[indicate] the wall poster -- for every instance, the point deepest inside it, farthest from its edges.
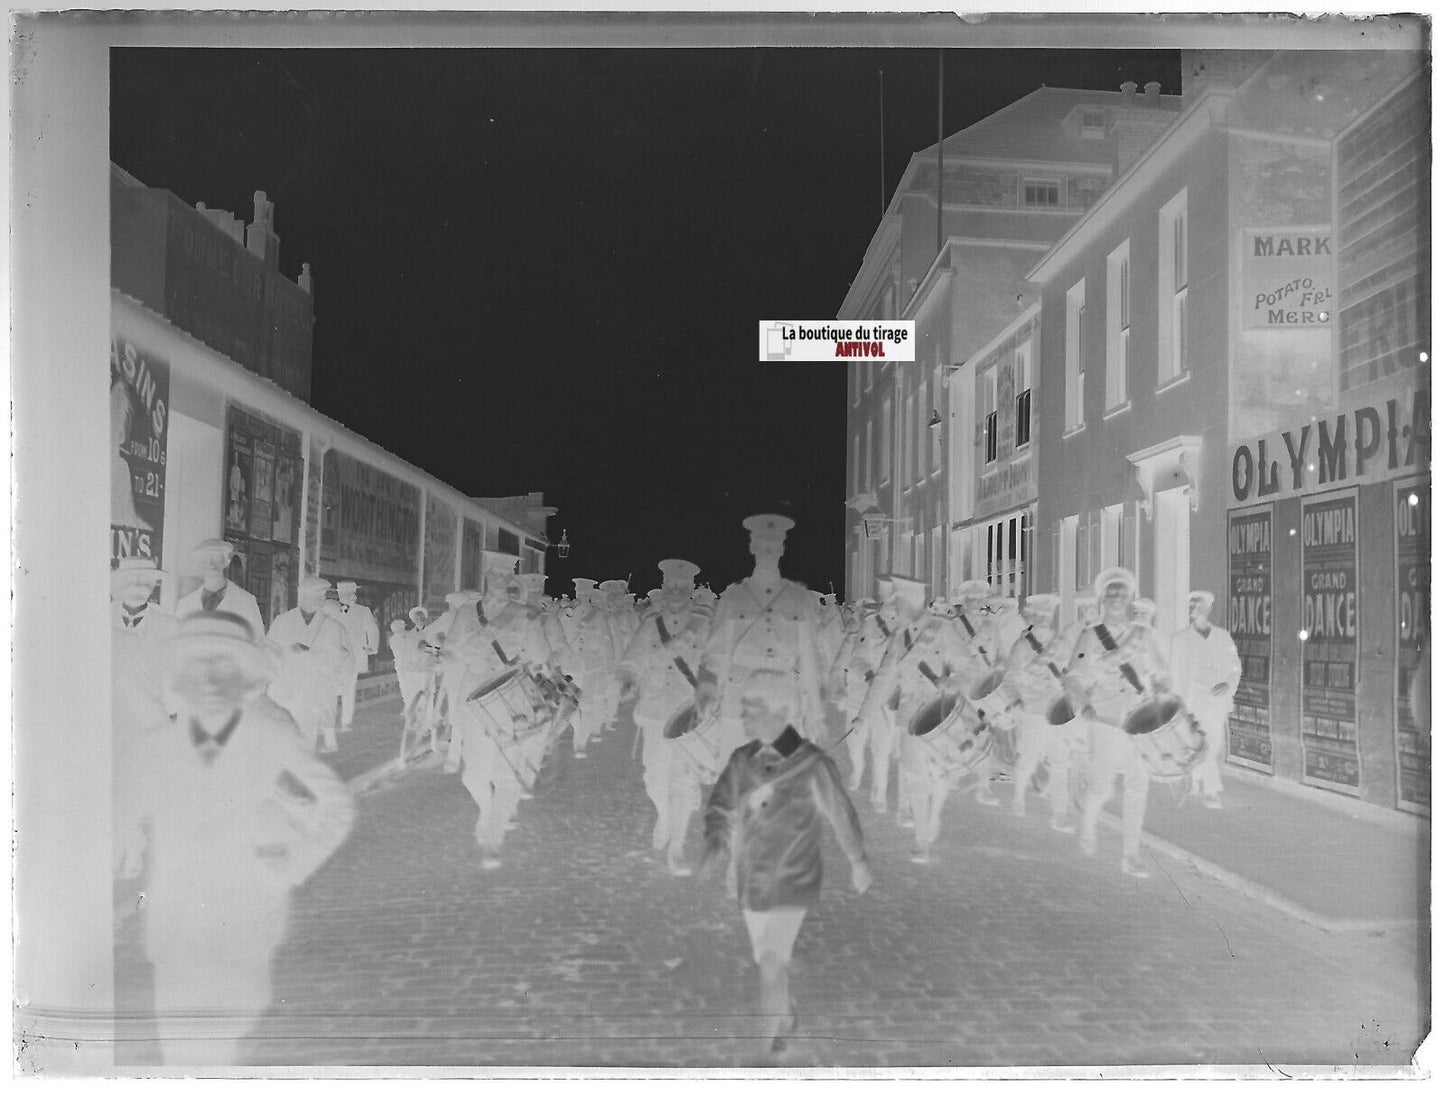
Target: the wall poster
(1251, 559)
(139, 421)
(1412, 655)
(1330, 577)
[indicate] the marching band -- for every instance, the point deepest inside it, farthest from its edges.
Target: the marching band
(945, 691)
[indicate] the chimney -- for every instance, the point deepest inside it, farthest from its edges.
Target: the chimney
(1151, 93)
(261, 238)
(305, 279)
(1127, 89)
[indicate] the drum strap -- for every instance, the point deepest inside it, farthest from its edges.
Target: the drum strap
(882, 626)
(1125, 669)
(682, 666)
(1039, 650)
(972, 634)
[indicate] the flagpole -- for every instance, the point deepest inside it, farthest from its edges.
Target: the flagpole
(940, 151)
(882, 172)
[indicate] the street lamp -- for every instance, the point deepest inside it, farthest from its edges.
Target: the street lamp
(563, 547)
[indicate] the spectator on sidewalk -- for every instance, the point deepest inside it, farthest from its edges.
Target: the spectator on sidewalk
(210, 559)
(231, 812)
(1204, 665)
(312, 651)
(764, 821)
(362, 637)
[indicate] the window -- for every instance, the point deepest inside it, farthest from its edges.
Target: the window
(1111, 537)
(935, 435)
(1173, 287)
(1068, 558)
(1116, 357)
(922, 439)
(1024, 401)
(1074, 358)
(1006, 542)
(868, 457)
(1041, 192)
(990, 416)
(1091, 123)
(885, 448)
(1087, 547)
(910, 445)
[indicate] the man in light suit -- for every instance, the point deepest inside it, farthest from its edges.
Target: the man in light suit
(209, 559)
(362, 637)
(1204, 666)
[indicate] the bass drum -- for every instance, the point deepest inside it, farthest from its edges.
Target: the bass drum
(1167, 736)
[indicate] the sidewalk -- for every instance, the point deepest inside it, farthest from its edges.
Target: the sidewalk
(370, 749)
(1341, 866)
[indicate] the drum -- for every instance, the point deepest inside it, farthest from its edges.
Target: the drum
(506, 705)
(958, 743)
(695, 739)
(1168, 738)
(988, 696)
(1061, 711)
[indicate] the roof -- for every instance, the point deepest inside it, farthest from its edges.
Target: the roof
(1032, 128)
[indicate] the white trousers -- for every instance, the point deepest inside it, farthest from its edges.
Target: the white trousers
(1213, 715)
(1111, 755)
(1040, 742)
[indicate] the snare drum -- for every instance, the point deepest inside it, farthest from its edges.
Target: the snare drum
(1167, 736)
(956, 743)
(696, 740)
(506, 705)
(988, 696)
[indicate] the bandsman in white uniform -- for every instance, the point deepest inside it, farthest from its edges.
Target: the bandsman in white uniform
(1115, 665)
(764, 621)
(976, 623)
(1008, 624)
(412, 659)
(1204, 666)
(209, 559)
(659, 672)
(312, 649)
(499, 636)
(233, 814)
(1034, 677)
(362, 637)
(926, 656)
(595, 650)
(622, 618)
(830, 628)
(864, 641)
(1142, 613)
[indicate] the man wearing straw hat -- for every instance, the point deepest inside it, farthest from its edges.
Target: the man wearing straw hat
(209, 559)
(311, 645)
(230, 812)
(363, 639)
(1115, 665)
(1204, 664)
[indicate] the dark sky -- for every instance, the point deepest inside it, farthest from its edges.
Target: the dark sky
(543, 269)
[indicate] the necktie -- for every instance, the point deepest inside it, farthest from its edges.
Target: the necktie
(208, 744)
(133, 616)
(211, 601)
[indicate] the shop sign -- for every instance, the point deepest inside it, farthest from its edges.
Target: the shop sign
(1288, 277)
(1372, 443)
(471, 554)
(139, 426)
(1251, 557)
(370, 528)
(1412, 696)
(440, 555)
(1330, 637)
(873, 525)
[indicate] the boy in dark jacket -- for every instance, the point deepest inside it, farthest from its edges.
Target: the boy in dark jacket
(765, 814)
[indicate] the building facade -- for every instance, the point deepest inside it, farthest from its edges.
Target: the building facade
(1235, 397)
(210, 446)
(1008, 187)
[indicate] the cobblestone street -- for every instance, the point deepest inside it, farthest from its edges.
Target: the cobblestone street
(1010, 949)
